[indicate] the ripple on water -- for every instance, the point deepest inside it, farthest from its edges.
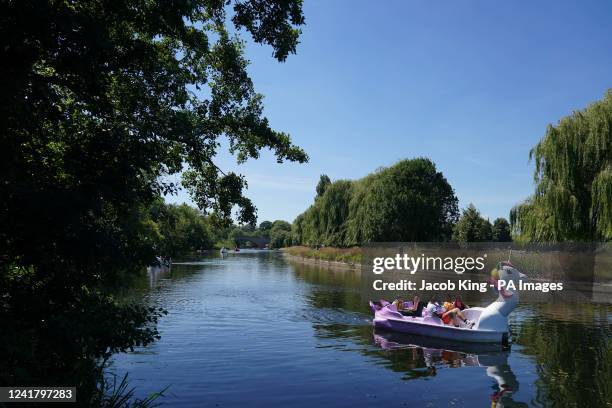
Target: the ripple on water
(251, 330)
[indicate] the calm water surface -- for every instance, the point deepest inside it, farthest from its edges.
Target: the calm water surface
(254, 329)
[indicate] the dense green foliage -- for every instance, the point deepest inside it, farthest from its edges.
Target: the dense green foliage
(101, 101)
(179, 230)
(324, 182)
(573, 175)
(500, 231)
(409, 201)
(472, 227)
(265, 226)
(280, 234)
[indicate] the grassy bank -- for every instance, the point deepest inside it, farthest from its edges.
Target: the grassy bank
(348, 255)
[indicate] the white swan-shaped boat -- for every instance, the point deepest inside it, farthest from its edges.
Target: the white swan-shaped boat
(491, 322)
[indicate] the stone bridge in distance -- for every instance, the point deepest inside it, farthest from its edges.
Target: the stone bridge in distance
(260, 242)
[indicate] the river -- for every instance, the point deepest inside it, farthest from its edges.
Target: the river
(254, 329)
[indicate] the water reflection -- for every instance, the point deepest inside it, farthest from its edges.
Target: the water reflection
(416, 352)
(568, 346)
(572, 351)
(253, 329)
(156, 273)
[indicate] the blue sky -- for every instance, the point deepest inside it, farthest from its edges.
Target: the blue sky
(471, 85)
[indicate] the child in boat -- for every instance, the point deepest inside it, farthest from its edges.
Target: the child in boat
(453, 315)
(448, 303)
(433, 307)
(416, 310)
(458, 303)
(399, 304)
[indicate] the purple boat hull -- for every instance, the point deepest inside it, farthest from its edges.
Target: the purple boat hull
(488, 324)
(388, 319)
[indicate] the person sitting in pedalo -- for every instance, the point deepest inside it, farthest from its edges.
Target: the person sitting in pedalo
(452, 314)
(414, 309)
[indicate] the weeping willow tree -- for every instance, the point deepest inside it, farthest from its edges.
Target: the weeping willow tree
(573, 176)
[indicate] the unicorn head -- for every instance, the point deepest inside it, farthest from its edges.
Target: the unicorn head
(495, 316)
(501, 276)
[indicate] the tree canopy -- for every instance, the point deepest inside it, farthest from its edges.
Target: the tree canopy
(472, 227)
(280, 234)
(324, 182)
(409, 201)
(102, 102)
(180, 229)
(573, 176)
(265, 225)
(501, 230)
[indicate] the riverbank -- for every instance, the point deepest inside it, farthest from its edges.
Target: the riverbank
(328, 256)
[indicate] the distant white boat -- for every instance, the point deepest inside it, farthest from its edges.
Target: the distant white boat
(160, 265)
